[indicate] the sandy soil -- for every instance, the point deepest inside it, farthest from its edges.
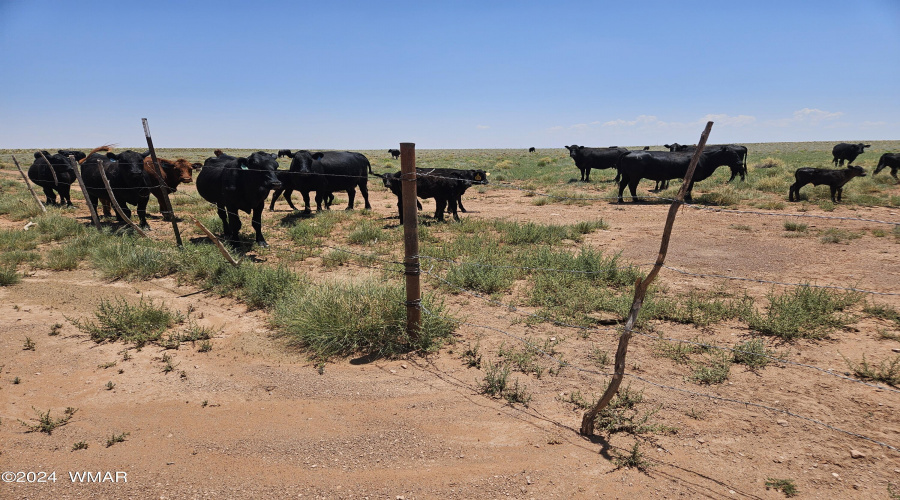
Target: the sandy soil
(254, 419)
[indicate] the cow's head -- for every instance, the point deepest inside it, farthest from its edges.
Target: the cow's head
(303, 161)
(856, 171)
(285, 152)
(264, 163)
(131, 165)
(71, 152)
(573, 149)
(861, 148)
(479, 176)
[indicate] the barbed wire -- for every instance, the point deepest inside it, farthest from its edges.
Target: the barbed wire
(764, 407)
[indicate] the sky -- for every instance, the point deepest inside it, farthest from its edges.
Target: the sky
(453, 74)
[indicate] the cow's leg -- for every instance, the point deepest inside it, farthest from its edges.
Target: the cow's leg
(440, 205)
(107, 207)
(632, 186)
(587, 175)
(64, 195)
(223, 214)
(93, 200)
(400, 208)
(287, 197)
(364, 191)
(687, 195)
(452, 208)
(622, 184)
(142, 212)
(582, 174)
(351, 195)
(838, 191)
(733, 175)
(318, 201)
(275, 196)
(894, 173)
(256, 222)
(125, 211)
(234, 223)
(51, 195)
(305, 195)
(618, 176)
(794, 194)
(461, 207)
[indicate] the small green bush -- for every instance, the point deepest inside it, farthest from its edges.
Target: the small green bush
(141, 323)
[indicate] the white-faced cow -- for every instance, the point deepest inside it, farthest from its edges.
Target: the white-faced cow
(327, 172)
(891, 160)
(665, 165)
(125, 173)
(848, 152)
(234, 184)
(835, 179)
(599, 158)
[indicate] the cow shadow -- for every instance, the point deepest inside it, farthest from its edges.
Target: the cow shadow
(291, 219)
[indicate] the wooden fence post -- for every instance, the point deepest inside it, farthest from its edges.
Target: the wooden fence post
(115, 204)
(410, 239)
(162, 185)
(87, 199)
(28, 184)
(52, 170)
(215, 240)
(640, 289)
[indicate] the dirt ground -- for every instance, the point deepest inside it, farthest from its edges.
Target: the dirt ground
(253, 418)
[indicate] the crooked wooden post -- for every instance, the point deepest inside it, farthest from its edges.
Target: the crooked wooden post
(410, 239)
(167, 209)
(27, 183)
(640, 289)
(87, 199)
(215, 240)
(115, 203)
(52, 170)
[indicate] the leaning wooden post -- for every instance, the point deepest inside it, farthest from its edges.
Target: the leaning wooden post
(115, 203)
(87, 199)
(25, 178)
(410, 239)
(52, 170)
(215, 240)
(162, 185)
(640, 289)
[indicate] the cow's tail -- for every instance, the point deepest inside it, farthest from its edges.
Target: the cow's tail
(105, 147)
(369, 164)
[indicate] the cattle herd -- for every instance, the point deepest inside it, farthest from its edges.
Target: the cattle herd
(243, 184)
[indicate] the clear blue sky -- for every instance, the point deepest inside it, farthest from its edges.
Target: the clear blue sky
(452, 74)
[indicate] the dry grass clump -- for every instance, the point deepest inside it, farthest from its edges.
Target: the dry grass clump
(770, 162)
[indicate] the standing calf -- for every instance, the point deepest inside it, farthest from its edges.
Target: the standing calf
(891, 160)
(835, 179)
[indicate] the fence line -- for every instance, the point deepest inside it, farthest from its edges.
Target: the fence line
(686, 391)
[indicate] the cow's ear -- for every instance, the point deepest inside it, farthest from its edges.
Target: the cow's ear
(112, 156)
(318, 156)
(37, 154)
(242, 162)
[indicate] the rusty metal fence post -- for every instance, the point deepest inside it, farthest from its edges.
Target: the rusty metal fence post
(410, 239)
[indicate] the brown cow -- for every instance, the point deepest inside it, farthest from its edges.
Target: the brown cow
(174, 173)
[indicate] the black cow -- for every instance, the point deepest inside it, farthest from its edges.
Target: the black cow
(665, 165)
(531, 149)
(849, 152)
(125, 172)
(891, 160)
(394, 153)
(835, 179)
(444, 185)
(599, 158)
(475, 176)
(327, 172)
(287, 188)
(235, 184)
(40, 173)
(736, 170)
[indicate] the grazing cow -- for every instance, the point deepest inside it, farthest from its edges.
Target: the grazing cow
(40, 173)
(395, 153)
(599, 158)
(740, 169)
(442, 184)
(174, 172)
(849, 152)
(125, 172)
(531, 149)
(665, 165)
(327, 172)
(235, 184)
(891, 160)
(835, 179)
